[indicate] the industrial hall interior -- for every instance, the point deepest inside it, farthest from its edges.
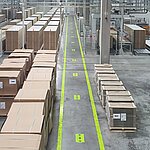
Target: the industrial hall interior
(74, 74)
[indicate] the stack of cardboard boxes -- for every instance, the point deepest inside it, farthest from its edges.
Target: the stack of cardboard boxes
(35, 37)
(115, 99)
(29, 119)
(14, 38)
(51, 37)
(13, 72)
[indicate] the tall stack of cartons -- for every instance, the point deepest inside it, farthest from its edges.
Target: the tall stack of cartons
(115, 99)
(136, 35)
(14, 38)
(51, 37)
(28, 24)
(33, 19)
(13, 72)
(35, 37)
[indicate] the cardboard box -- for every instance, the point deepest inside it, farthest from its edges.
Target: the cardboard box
(28, 24)
(54, 23)
(45, 58)
(35, 95)
(46, 19)
(136, 35)
(6, 11)
(21, 142)
(5, 104)
(38, 16)
(105, 77)
(120, 98)
(14, 38)
(27, 12)
(47, 52)
(51, 37)
(55, 18)
(2, 18)
(36, 84)
(40, 13)
(16, 61)
(9, 83)
(6, 27)
(23, 55)
(33, 19)
(21, 67)
(14, 22)
(19, 14)
(109, 88)
(118, 93)
(35, 37)
(41, 23)
(25, 123)
(31, 51)
(121, 116)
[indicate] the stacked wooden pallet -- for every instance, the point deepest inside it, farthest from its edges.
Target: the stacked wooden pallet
(115, 99)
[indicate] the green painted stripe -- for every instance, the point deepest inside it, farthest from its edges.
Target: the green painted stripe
(60, 126)
(97, 125)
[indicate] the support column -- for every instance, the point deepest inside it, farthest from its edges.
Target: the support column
(105, 32)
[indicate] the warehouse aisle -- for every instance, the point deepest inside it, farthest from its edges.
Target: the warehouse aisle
(78, 126)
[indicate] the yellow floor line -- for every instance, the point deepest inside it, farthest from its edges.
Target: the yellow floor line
(95, 117)
(60, 125)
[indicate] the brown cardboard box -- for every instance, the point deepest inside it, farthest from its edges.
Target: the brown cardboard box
(14, 22)
(44, 65)
(21, 67)
(19, 14)
(47, 52)
(120, 98)
(121, 116)
(55, 18)
(105, 77)
(47, 15)
(21, 142)
(41, 23)
(45, 58)
(6, 27)
(25, 123)
(16, 61)
(40, 74)
(51, 37)
(31, 51)
(5, 104)
(40, 13)
(23, 55)
(109, 88)
(35, 95)
(38, 16)
(54, 23)
(118, 93)
(36, 84)
(33, 19)
(136, 35)
(14, 38)
(9, 83)
(46, 19)
(35, 37)
(28, 24)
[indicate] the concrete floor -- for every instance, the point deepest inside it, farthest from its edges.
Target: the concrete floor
(134, 71)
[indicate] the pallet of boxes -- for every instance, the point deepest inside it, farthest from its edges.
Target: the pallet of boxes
(13, 72)
(29, 120)
(115, 99)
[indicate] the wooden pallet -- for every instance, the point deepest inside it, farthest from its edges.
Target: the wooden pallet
(122, 129)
